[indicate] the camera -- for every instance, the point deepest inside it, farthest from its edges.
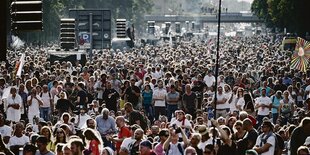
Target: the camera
(176, 128)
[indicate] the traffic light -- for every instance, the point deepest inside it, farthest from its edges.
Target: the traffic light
(121, 28)
(26, 15)
(67, 33)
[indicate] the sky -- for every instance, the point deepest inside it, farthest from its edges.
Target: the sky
(250, 1)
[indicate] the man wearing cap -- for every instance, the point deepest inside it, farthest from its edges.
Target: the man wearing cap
(42, 143)
(263, 105)
(146, 148)
(265, 143)
(205, 137)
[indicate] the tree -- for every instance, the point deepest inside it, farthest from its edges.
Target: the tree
(290, 14)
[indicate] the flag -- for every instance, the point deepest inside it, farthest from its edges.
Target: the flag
(301, 56)
(20, 65)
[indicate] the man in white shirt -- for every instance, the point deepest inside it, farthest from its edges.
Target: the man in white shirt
(222, 107)
(265, 143)
(263, 105)
(14, 103)
(34, 101)
(45, 109)
(159, 97)
(209, 79)
(125, 146)
(80, 120)
(19, 140)
(5, 130)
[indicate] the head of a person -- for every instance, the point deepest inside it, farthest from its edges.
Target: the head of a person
(267, 126)
(209, 150)
(180, 115)
(65, 117)
(247, 124)
(305, 123)
(155, 129)
(46, 131)
(128, 107)
(238, 125)
(58, 148)
(145, 147)
(303, 150)
(243, 115)
(60, 134)
(195, 139)
(105, 113)
(107, 151)
(138, 134)
(220, 89)
(42, 142)
(90, 134)
(19, 127)
(13, 91)
(66, 150)
(188, 88)
(251, 152)
(29, 149)
(163, 135)
(264, 92)
(133, 128)
(76, 146)
(91, 123)
(160, 84)
(120, 121)
(190, 151)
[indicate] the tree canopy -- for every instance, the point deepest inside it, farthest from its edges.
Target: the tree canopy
(290, 14)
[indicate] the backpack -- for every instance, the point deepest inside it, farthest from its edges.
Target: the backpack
(180, 148)
(277, 150)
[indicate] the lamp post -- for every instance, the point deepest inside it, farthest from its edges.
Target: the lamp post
(217, 62)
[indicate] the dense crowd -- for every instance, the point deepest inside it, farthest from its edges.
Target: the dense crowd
(158, 100)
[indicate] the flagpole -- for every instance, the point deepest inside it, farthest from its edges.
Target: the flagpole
(217, 64)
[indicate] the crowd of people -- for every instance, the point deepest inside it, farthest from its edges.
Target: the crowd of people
(158, 100)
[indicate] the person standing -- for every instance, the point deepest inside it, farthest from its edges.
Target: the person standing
(172, 99)
(106, 126)
(221, 104)
(110, 96)
(14, 103)
(159, 97)
(189, 101)
(147, 100)
(265, 143)
(263, 104)
(34, 102)
(47, 107)
(133, 94)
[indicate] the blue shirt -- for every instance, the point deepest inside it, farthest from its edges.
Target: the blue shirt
(275, 102)
(105, 126)
(147, 97)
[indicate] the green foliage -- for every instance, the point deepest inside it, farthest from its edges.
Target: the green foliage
(290, 14)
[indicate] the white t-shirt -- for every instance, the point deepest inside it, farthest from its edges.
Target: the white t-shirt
(222, 106)
(14, 114)
(6, 131)
(263, 101)
(126, 142)
(209, 80)
(228, 96)
(174, 150)
(271, 140)
(99, 92)
(34, 107)
(159, 94)
(233, 103)
(18, 140)
(241, 102)
(83, 118)
(202, 145)
(46, 98)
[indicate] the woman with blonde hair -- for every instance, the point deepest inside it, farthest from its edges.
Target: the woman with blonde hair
(46, 131)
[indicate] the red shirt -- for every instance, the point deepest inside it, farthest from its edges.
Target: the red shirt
(124, 132)
(93, 146)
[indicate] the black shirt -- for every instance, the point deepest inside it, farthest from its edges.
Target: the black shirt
(131, 97)
(64, 105)
(135, 116)
(250, 138)
(82, 94)
(189, 100)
